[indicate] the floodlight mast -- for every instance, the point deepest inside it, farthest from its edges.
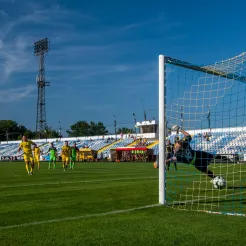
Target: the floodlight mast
(40, 48)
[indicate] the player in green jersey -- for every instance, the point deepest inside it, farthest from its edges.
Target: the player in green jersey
(53, 155)
(74, 150)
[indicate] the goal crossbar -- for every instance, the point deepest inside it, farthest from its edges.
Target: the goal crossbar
(210, 69)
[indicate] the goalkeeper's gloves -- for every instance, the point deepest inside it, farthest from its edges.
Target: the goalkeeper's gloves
(175, 128)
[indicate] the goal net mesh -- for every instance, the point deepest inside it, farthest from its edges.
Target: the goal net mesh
(209, 102)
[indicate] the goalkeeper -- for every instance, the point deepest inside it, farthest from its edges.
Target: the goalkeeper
(184, 153)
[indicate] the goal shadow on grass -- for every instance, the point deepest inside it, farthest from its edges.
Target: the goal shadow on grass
(236, 187)
(240, 201)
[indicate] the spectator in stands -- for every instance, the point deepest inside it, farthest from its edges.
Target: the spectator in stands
(239, 156)
(207, 135)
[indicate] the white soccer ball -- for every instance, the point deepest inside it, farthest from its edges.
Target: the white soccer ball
(219, 182)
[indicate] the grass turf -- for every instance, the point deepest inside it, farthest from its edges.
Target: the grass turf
(95, 188)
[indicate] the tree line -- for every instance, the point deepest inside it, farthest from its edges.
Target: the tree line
(11, 130)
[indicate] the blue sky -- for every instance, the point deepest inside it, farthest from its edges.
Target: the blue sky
(103, 59)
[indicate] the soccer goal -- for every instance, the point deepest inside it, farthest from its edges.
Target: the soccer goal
(202, 108)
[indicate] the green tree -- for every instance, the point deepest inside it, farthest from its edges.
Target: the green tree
(30, 134)
(125, 130)
(83, 128)
(49, 132)
(10, 130)
(97, 129)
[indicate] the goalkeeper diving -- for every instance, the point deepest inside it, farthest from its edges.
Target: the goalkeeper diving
(185, 154)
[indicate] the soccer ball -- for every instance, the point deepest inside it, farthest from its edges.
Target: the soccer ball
(219, 182)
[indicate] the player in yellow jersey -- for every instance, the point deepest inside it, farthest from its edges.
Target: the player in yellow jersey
(66, 153)
(26, 146)
(37, 153)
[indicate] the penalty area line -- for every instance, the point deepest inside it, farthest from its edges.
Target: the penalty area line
(79, 217)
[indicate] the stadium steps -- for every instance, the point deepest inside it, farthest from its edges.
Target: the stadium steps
(43, 145)
(133, 144)
(108, 146)
(153, 144)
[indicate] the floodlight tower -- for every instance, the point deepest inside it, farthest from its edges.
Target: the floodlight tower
(40, 48)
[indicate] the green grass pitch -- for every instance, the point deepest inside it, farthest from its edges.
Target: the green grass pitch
(54, 207)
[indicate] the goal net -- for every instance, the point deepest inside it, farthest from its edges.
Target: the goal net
(207, 103)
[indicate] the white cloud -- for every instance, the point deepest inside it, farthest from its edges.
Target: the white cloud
(13, 57)
(88, 70)
(140, 24)
(16, 94)
(14, 52)
(76, 59)
(37, 16)
(17, 36)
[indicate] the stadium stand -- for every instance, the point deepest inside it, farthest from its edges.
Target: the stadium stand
(121, 143)
(220, 143)
(151, 145)
(133, 144)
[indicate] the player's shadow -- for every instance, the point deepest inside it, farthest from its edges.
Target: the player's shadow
(236, 187)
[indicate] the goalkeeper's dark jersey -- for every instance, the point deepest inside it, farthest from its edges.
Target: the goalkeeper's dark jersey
(169, 148)
(185, 154)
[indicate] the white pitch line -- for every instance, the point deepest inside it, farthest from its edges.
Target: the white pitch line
(90, 181)
(78, 217)
(75, 182)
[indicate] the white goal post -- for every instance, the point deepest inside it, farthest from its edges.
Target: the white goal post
(162, 128)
